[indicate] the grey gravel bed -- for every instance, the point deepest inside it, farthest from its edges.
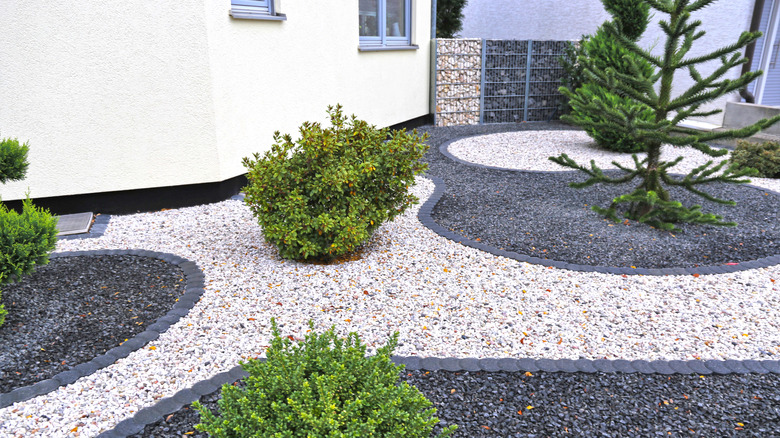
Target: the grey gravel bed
(507, 404)
(76, 308)
(537, 214)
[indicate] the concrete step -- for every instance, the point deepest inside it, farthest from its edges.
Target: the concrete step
(77, 223)
(760, 137)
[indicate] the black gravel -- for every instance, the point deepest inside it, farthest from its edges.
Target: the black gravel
(489, 404)
(537, 214)
(76, 308)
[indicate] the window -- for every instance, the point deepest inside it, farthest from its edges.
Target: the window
(255, 10)
(385, 24)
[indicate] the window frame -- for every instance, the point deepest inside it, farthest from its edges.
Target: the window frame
(255, 10)
(384, 41)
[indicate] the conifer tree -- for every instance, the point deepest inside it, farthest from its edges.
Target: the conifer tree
(26, 239)
(650, 201)
(603, 51)
(449, 17)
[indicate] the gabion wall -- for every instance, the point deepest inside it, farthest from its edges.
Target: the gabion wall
(495, 81)
(458, 75)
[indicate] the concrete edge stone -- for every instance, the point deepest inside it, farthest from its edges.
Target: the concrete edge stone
(128, 427)
(771, 365)
(566, 365)
(440, 188)
(717, 366)
(111, 356)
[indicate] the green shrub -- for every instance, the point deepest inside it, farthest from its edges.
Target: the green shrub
(3, 312)
(13, 160)
(605, 53)
(764, 157)
(323, 195)
(322, 387)
(26, 239)
(631, 16)
(449, 17)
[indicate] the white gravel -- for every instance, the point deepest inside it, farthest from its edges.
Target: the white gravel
(444, 299)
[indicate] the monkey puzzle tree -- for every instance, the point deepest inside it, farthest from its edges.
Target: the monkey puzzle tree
(650, 202)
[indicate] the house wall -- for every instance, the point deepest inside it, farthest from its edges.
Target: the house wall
(275, 75)
(140, 94)
(110, 95)
(723, 21)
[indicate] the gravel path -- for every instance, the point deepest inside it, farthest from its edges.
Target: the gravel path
(445, 299)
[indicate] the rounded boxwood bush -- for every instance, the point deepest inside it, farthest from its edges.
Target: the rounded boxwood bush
(323, 195)
(322, 387)
(764, 157)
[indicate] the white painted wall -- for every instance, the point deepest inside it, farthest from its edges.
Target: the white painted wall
(138, 94)
(723, 21)
(531, 19)
(275, 75)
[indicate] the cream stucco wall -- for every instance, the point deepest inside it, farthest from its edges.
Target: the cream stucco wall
(723, 21)
(110, 95)
(138, 94)
(275, 75)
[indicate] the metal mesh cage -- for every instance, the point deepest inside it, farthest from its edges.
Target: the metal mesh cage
(497, 81)
(544, 100)
(504, 75)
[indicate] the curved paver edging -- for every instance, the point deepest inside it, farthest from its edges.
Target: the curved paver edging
(169, 405)
(98, 228)
(426, 211)
(193, 289)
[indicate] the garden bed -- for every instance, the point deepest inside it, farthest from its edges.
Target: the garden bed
(446, 300)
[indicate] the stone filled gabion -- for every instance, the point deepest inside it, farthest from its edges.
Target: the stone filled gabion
(506, 73)
(458, 77)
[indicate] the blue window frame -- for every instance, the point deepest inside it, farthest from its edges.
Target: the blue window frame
(255, 10)
(385, 23)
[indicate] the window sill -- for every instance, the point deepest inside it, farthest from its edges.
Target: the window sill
(247, 15)
(377, 48)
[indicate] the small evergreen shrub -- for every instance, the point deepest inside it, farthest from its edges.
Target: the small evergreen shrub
(26, 239)
(322, 387)
(764, 157)
(323, 195)
(3, 312)
(13, 160)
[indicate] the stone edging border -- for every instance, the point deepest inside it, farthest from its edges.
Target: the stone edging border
(169, 405)
(193, 289)
(426, 210)
(98, 228)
